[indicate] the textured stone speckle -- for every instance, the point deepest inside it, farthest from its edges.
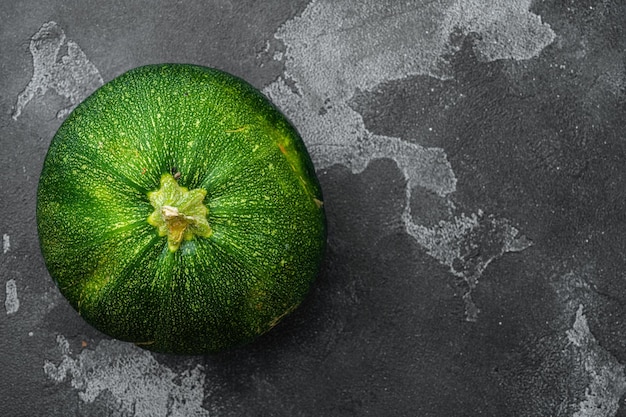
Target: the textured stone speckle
(12, 301)
(607, 382)
(6, 243)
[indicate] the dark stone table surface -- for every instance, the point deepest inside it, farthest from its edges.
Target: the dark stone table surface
(472, 155)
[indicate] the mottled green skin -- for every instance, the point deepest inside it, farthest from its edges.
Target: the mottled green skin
(263, 199)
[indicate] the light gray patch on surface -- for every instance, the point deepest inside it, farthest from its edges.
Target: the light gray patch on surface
(506, 29)
(131, 379)
(597, 380)
(467, 245)
(11, 302)
(336, 48)
(71, 76)
(607, 382)
(6, 243)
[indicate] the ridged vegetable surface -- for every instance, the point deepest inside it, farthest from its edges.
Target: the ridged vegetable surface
(179, 209)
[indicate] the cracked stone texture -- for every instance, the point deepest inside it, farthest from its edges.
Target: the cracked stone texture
(472, 159)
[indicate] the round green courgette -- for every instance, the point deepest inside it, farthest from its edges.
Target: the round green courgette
(178, 209)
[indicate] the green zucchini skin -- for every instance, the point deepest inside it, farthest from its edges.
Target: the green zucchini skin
(263, 198)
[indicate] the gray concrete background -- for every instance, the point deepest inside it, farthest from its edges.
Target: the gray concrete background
(472, 157)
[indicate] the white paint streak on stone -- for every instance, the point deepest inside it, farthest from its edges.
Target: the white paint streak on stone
(11, 302)
(6, 243)
(337, 48)
(507, 29)
(467, 245)
(135, 381)
(71, 75)
(606, 375)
